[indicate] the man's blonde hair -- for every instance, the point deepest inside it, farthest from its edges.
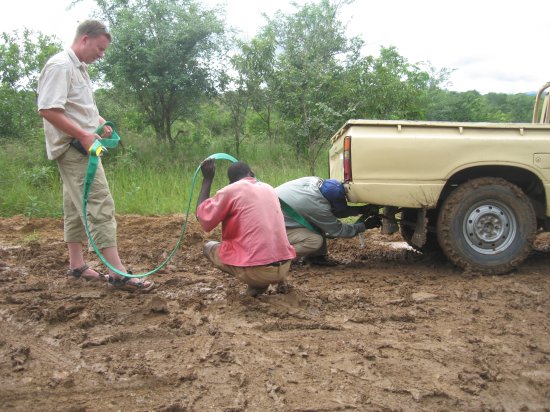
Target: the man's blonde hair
(92, 28)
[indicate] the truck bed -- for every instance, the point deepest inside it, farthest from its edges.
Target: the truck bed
(407, 163)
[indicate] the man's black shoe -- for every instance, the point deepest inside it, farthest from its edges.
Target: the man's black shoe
(283, 288)
(255, 291)
(320, 261)
(372, 222)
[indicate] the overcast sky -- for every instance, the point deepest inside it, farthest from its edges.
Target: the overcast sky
(492, 45)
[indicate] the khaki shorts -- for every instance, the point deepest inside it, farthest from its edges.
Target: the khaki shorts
(255, 276)
(100, 208)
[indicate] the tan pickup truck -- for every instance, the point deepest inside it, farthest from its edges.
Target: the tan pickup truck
(480, 192)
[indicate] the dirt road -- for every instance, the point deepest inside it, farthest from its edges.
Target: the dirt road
(388, 330)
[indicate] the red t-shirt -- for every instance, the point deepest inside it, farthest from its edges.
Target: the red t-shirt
(253, 227)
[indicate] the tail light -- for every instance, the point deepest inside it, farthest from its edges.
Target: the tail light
(347, 159)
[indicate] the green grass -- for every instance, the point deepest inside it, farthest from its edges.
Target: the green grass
(146, 177)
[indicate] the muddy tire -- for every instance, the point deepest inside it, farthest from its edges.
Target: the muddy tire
(487, 225)
(407, 230)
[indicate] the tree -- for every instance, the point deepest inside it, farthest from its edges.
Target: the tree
(389, 87)
(21, 59)
(319, 79)
(246, 85)
(459, 107)
(308, 75)
(255, 65)
(238, 102)
(511, 107)
(163, 56)
(471, 106)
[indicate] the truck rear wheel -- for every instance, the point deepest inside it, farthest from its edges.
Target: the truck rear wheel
(487, 225)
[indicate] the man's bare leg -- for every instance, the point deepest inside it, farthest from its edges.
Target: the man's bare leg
(76, 261)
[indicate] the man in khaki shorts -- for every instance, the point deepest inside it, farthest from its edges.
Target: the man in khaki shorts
(67, 105)
(254, 246)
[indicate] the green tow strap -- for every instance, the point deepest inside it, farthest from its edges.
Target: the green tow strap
(293, 214)
(96, 150)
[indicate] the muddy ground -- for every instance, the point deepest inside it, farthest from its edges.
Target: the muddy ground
(388, 330)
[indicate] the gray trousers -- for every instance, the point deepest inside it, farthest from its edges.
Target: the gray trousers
(306, 242)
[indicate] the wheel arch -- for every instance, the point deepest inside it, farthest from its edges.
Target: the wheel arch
(528, 181)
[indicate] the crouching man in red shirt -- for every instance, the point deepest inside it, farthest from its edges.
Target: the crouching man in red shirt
(254, 246)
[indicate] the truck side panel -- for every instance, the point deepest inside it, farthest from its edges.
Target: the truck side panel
(409, 163)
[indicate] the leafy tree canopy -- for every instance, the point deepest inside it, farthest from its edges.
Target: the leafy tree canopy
(22, 56)
(163, 55)
(308, 73)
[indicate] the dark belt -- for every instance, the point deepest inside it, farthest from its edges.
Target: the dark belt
(279, 263)
(78, 146)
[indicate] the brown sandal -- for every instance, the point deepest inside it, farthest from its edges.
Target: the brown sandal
(125, 283)
(78, 273)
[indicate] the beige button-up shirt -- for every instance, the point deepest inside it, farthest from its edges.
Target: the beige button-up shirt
(64, 84)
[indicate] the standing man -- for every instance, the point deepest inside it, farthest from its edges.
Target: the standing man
(319, 204)
(254, 246)
(67, 106)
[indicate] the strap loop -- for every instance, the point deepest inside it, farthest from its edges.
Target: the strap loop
(93, 162)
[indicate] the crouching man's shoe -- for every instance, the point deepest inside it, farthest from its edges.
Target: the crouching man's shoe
(320, 261)
(255, 291)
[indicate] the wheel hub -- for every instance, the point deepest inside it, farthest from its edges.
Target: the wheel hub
(490, 228)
